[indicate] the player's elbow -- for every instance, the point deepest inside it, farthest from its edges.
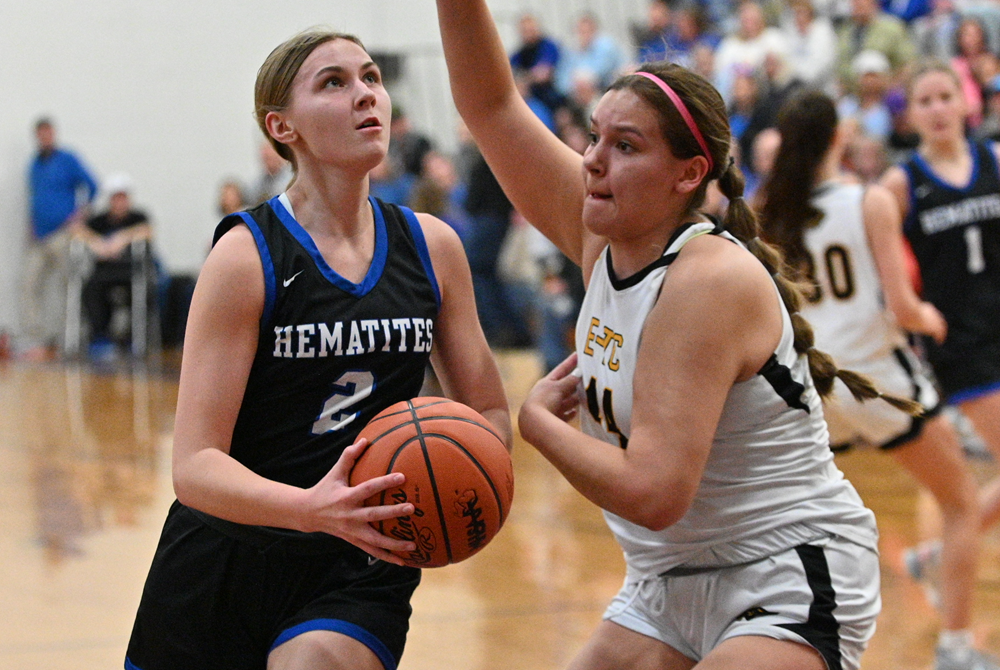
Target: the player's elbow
(655, 509)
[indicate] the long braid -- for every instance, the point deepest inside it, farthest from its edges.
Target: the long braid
(742, 223)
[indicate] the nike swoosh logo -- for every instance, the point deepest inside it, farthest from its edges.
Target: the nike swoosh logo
(372, 560)
(288, 281)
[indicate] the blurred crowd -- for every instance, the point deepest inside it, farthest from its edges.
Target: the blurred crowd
(756, 52)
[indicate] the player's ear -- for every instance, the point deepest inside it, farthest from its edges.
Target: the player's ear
(280, 128)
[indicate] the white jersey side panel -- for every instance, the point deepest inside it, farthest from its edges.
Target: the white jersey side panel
(850, 318)
(770, 482)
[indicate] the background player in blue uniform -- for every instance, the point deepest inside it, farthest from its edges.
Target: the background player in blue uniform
(949, 196)
(313, 312)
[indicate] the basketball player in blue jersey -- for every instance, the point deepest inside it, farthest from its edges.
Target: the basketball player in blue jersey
(949, 195)
(844, 240)
(703, 436)
(314, 311)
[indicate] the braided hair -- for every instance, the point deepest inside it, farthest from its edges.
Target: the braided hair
(703, 103)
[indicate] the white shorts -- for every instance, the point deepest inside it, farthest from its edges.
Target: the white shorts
(876, 422)
(824, 594)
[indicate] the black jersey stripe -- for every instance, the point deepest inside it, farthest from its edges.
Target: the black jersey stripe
(780, 378)
(821, 629)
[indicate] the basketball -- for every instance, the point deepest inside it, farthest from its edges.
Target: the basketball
(459, 478)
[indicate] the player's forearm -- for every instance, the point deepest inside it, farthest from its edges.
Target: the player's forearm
(213, 482)
(478, 68)
(603, 473)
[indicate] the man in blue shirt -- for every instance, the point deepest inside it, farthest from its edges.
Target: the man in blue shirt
(60, 188)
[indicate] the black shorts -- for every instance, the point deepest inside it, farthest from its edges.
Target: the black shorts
(968, 373)
(220, 600)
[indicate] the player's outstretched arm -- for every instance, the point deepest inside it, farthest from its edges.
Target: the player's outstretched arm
(541, 175)
(461, 357)
(219, 348)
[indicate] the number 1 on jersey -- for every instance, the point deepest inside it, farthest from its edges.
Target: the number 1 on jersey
(608, 407)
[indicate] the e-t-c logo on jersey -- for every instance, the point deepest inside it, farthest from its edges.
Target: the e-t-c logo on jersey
(609, 340)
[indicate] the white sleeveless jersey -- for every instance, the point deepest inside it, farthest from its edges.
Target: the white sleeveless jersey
(770, 482)
(847, 311)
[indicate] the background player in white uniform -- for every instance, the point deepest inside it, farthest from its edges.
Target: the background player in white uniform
(705, 442)
(844, 240)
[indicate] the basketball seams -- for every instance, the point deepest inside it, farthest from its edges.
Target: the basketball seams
(430, 475)
(479, 466)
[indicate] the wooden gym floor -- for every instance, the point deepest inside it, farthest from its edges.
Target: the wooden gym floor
(85, 484)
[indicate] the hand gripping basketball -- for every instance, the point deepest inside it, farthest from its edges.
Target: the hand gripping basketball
(459, 478)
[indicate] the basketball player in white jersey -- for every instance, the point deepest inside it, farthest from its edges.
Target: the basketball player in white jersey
(703, 432)
(844, 240)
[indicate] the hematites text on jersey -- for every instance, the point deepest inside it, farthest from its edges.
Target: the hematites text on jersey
(353, 338)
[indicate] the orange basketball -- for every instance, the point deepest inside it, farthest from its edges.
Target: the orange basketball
(458, 476)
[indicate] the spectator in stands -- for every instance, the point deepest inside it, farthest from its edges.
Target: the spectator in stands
(654, 40)
(439, 193)
(231, 198)
(585, 92)
(765, 149)
(746, 48)
(989, 129)
(903, 139)
(60, 189)
(871, 29)
(390, 183)
(747, 113)
(972, 56)
(867, 106)
(934, 34)
(538, 55)
(109, 237)
(275, 176)
(522, 78)
(867, 158)
(407, 147)
(490, 212)
(595, 52)
(691, 32)
(812, 47)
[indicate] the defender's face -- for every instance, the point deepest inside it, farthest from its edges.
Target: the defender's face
(629, 169)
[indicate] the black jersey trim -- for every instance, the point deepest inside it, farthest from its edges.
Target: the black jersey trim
(422, 250)
(663, 261)
(780, 378)
(378, 258)
(821, 629)
(270, 281)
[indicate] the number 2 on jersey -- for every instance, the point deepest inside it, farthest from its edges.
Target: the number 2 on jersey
(349, 389)
(608, 407)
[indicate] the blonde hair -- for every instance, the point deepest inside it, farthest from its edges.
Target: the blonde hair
(273, 89)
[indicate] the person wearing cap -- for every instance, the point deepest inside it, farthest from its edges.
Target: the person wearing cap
(60, 188)
(870, 29)
(109, 236)
(867, 106)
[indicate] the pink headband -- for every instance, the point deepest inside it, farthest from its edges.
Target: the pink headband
(685, 114)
